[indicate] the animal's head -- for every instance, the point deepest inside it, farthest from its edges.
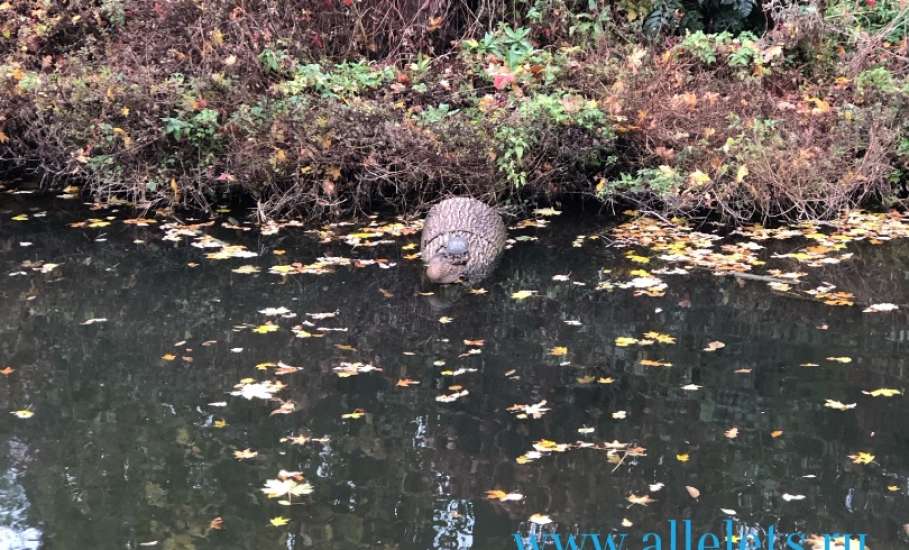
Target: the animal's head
(449, 265)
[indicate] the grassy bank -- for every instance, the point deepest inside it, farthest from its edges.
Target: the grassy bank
(325, 108)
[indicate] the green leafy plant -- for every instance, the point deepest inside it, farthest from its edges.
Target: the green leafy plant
(676, 16)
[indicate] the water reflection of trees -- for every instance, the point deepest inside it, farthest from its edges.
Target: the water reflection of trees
(121, 447)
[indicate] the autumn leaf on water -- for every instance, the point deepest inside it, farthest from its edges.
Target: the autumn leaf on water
(523, 294)
(547, 212)
(605, 380)
(245, 454)
(287, 407)
(540, 519)
(776, 433)
(655, 363)
(23, 413)
(715, 345)
(620, 415)
(406, 382)
(558, 351)
(445, 320)
(168, 357)
(880, 392)
(502, 496)
(248, 388)
(289, 484)
(6, 371)
(659, 337)
(274, 311)
(246, 270)
(266, 328)
(640, 500)
(731, 433)
(356, 414)
(837, 405)
(278, 521)
(216, 523)
(843, 360)
(478, 291)
(862, 457)
(693, 492)
(93, 321)
(790, 498)
(586, 430)
(478, 343)
(219, 424)
(457, 393)
(625, 341)
(691, 387)
(880, 308)
(637, 258)
(682, 457)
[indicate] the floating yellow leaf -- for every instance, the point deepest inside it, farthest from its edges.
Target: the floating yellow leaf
(245, 454)
(502, 496)
(715, 345)
(547, 212)
(776, 433)
(266, 328)
(540, 519)
(659, 337)
(23, 413)
(682, 457)
(640, 500)
(837, 405)
(445, 320)
(558, 351)
(168, 357)
(731, 433)
(843, 360)
(862, 457)
(879, 308)
(655, 363)
(278, 521)
(355, 415)
(523, 294)
(636, 258)
(625, 341)
(883, 392)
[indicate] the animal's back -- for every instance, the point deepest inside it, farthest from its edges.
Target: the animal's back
(477, 222)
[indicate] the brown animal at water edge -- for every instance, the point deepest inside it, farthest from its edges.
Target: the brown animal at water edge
(462, 241)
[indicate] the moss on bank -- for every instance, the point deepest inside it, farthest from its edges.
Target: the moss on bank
(326, 112)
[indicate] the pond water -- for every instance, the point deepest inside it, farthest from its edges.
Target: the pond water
(126, 353)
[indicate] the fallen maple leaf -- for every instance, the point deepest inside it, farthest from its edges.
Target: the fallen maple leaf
(880, 392)
(640, 500)
(715, 345)
(832, 404)
(502, 496)
(862, 457)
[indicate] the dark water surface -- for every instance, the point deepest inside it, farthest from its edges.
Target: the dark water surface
(124, 447)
